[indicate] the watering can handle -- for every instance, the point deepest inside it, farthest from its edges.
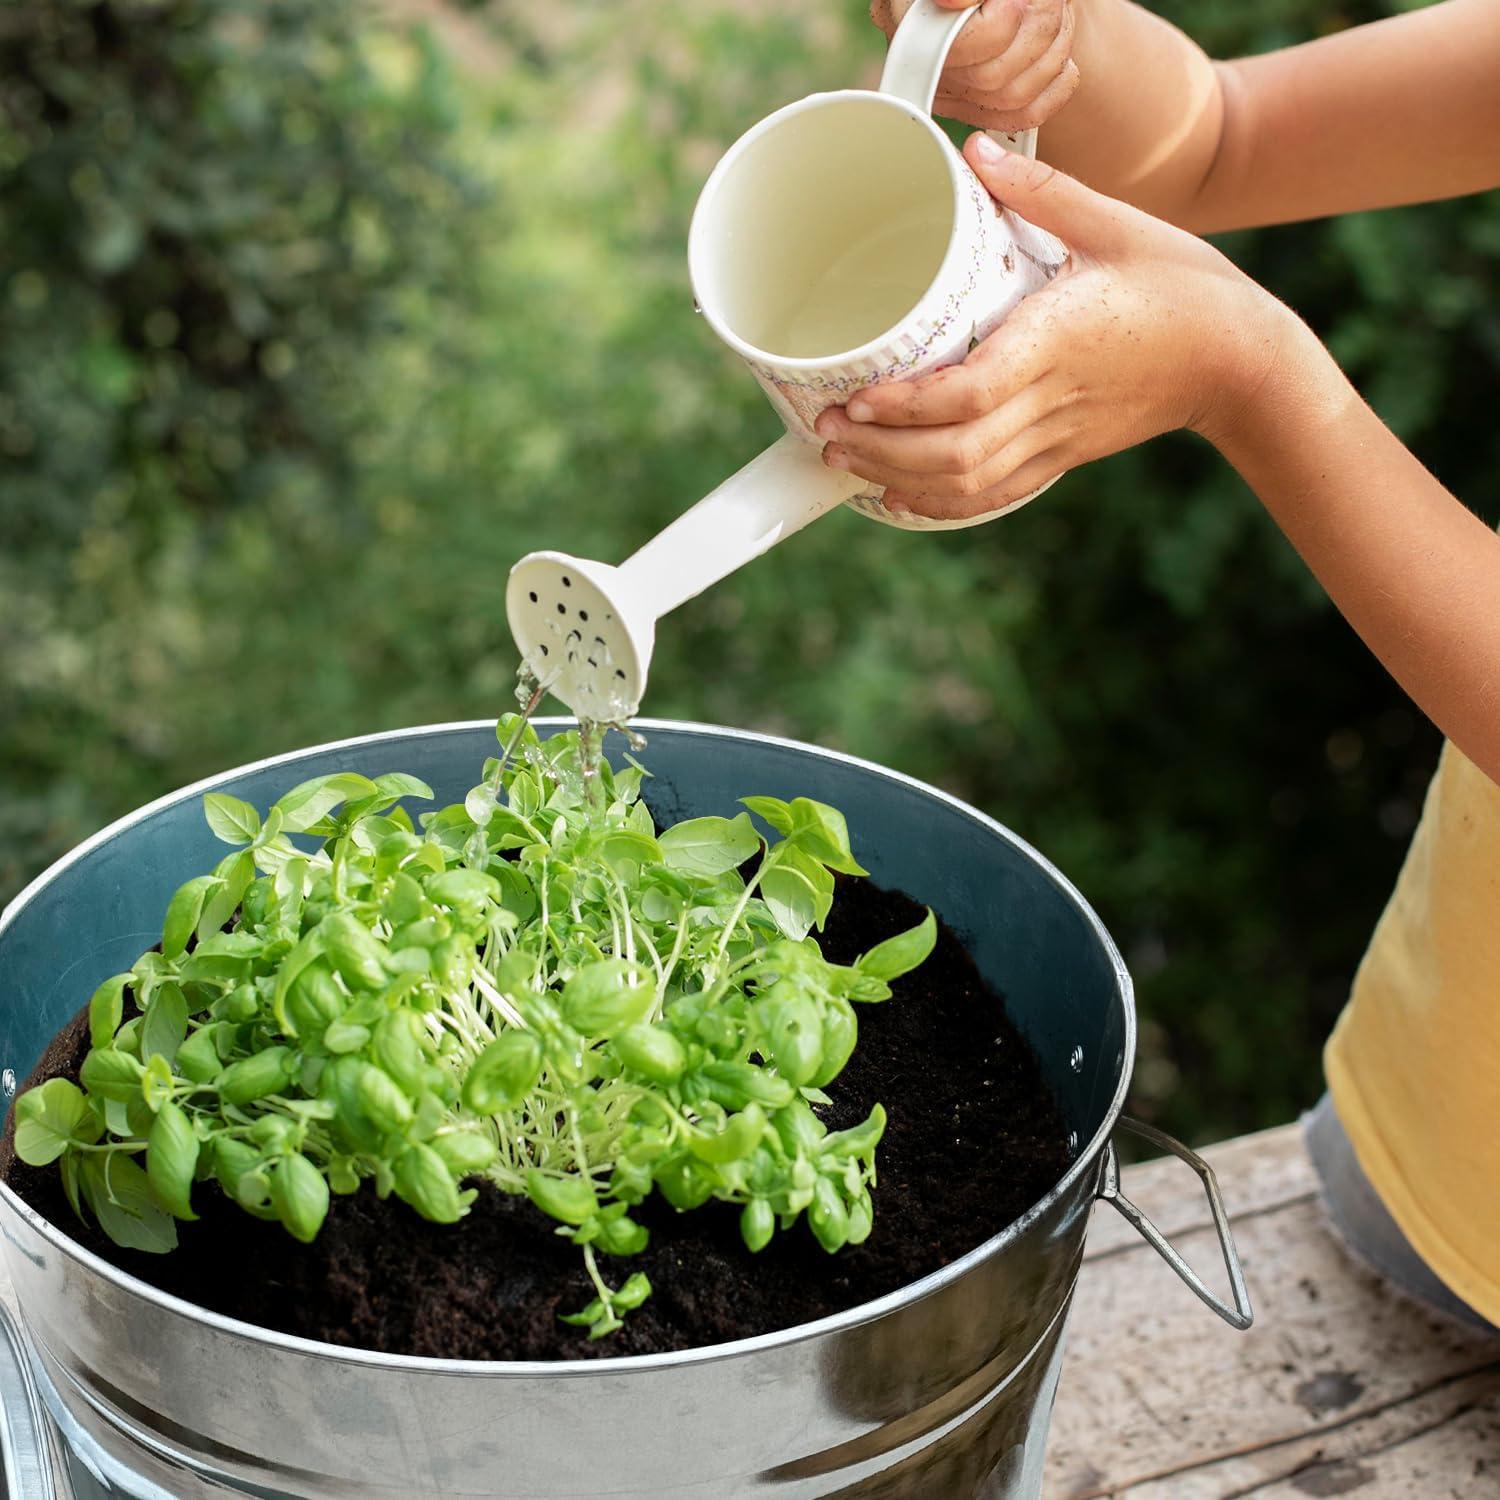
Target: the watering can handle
(1241, 1315)
(915, 61)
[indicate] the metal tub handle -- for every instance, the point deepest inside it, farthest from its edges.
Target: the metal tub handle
(1241, 1315)
(27, 1464)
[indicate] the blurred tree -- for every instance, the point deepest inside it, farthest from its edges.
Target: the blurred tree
(218, 220)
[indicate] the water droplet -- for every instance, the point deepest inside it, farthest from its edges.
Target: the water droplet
(697, 306)
(8, 1082)
(1075, 1060)
(1072, 1142)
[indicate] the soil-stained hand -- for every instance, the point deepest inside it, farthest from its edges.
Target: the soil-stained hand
(1145, 330)
(1012, 66)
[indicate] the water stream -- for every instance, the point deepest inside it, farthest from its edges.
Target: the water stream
(530, 690)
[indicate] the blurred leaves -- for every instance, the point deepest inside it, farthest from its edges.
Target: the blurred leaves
(305, 338)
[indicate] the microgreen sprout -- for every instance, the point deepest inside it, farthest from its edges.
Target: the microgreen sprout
(534, 987)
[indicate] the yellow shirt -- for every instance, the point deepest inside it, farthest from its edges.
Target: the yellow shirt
(1414, 1063)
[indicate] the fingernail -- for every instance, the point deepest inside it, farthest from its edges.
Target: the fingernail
(896, 508)
(859, 410)
(986, 149)
(835, 457)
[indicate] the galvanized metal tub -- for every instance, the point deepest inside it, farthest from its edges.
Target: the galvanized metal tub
(941, 1389)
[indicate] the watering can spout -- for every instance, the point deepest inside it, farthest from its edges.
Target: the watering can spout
(586, 630)
(776, 494)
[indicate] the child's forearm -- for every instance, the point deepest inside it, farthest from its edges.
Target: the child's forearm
(1414, 571)
(1405, 110)
(1147, 119)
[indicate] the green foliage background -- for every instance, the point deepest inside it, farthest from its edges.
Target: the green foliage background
(307, 331)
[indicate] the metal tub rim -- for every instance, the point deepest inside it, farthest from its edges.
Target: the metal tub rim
(1088, 1158)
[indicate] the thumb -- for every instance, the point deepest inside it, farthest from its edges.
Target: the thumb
(1081, 218)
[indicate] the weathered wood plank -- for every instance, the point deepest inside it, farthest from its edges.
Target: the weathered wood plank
(1160, 1400)
(1441, 1442)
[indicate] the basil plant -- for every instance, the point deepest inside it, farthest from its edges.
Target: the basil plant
(537, 988)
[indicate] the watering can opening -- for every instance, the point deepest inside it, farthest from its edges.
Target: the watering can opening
(822, 230)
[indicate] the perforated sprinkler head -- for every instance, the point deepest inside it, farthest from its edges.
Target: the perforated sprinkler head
(580, 633)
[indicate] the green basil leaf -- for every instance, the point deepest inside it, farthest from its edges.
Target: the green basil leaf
(198, 1057)
(47, 1119)
(299, 1194)
(900, 954)
(606, 996)
(792, 899)
(345, 1036)
(233, 821)
(776, 812)
(828, 1216)
(570, 1200)
(355, 951)
(797, 1040)
(423, 1180)
(108, 1074)
(69, 1171)
(463, 888)
(822, 832)
(236, 873)
(651, 1051)
(157, 1082)
(383, 1100)
(120, 1194)
(627, 850)
(635, 1291)
(172, 1159)
(310, 801)
(710, 846)
(399, 784)
(741, 1134)
(183, 912)
(622, 1236)
(840, 1034)
(757, 1224)
(252, 1078)
(464, 1151)
(858, 1142)
(106, 1010)
(166, 1021)
(503, 1074)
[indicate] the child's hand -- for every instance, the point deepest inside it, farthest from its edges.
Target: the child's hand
(1146, 329)
(1012, 66)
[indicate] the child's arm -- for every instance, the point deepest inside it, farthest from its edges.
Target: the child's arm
(1150, 329)
(1402, 111)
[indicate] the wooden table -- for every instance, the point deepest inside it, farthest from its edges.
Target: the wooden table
(1341, 1388)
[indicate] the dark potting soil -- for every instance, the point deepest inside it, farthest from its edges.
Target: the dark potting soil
(974, 1139)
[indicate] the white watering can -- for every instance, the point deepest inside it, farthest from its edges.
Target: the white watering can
(841, 242)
